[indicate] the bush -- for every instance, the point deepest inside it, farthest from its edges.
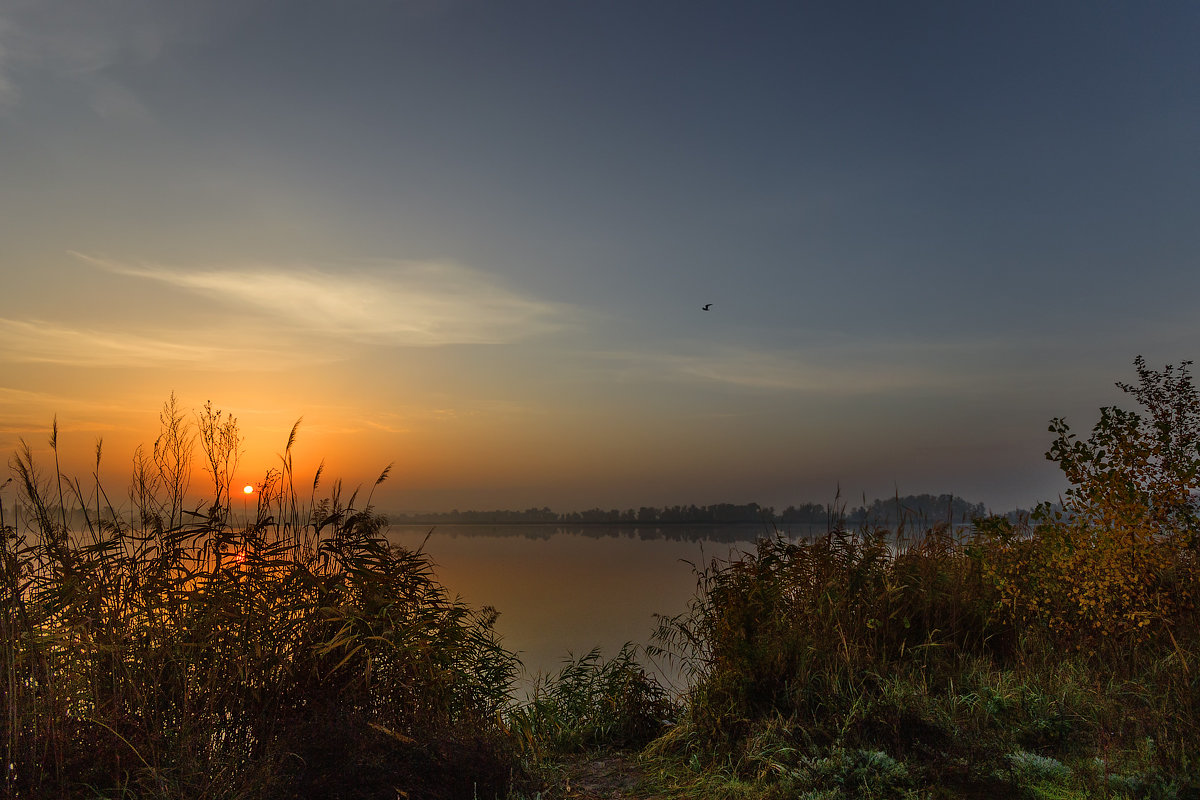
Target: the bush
(1116, 566)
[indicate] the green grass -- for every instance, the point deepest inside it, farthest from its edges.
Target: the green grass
(592, 703)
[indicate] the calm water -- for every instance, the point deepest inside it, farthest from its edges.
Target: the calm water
(562, 590)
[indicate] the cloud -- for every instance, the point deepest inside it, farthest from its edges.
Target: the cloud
(48, 343)
(383, 302)
(848, 369)
(8, 87)
(30, 414)
(387, 428)
(84, 42)
(114, 102)
(772, 371)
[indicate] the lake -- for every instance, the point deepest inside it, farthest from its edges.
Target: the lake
(563, 590)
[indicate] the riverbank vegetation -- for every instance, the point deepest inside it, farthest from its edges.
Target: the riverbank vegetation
(299, 655)
(1057, 657)
(186, 654)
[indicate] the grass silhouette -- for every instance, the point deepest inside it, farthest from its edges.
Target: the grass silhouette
(162, 650)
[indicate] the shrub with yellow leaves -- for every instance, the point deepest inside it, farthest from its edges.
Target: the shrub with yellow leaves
(1118, 561)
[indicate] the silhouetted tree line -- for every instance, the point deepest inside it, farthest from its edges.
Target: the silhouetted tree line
(921, 509)
(924, 509)
(73, 518)
(720, 513)
(526, 517)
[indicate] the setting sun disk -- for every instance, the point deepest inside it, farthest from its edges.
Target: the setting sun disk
(248, 489)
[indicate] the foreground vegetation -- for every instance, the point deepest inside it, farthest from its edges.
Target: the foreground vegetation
(181, 655)
(298, 655)
(1058, 657)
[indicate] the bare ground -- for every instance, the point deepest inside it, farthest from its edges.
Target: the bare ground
(606, 776)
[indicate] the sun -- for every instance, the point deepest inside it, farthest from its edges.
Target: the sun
(248, 489)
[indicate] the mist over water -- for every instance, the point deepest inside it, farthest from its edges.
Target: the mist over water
(561, 590)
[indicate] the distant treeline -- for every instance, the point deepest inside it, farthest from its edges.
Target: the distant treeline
(924, 509)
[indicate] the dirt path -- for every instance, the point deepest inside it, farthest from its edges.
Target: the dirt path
(611, 776)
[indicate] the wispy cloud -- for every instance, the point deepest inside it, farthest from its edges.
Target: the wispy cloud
(772, 371)
(30, 414)
(387, 428)
(34, 341)
(853, 370)
(391, 302)
(8, 87)
(79, 41)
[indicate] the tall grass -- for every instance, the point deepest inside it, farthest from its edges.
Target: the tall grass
(876, 663)
(165, 649)
(593, 703)
(800, 628)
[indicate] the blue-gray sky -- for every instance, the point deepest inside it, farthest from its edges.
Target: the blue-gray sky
(473, 238)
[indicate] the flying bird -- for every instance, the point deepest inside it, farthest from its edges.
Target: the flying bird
(706, 307)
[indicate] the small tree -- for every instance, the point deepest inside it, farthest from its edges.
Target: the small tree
(1141, 470)
(1108, 564)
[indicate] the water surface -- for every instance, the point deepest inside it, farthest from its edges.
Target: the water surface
(562, 590)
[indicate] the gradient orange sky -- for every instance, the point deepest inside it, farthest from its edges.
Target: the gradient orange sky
(473, 239)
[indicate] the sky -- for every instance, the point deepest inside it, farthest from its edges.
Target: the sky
(472, 239)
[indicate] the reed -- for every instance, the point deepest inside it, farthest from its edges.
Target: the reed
(163, 649)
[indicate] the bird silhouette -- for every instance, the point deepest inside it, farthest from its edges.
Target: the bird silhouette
(706, 307)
